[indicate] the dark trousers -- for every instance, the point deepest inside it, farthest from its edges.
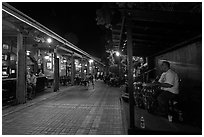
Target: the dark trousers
(29, 91)
(33, 90)
(163, 101)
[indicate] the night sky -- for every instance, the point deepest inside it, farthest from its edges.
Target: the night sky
(78, 18)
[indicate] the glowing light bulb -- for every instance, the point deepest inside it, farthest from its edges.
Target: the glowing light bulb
(49, 40)
(117, 53)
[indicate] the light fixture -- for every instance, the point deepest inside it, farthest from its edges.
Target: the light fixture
(47, 57)
(27, 52)
(91, 61)
(117, 53)
(49, 40)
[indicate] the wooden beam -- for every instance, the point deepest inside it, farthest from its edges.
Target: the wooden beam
(147, 41)
(10, 25)
(146, 46)
(121, 31)
(167, 25)
(198, 37)
(150, 37)
(160, 25)
(116, 37)
(116, 40)
(116, 28)
(163, 33)
(164, 16)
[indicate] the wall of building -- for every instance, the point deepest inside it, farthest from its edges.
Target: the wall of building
(187, 62)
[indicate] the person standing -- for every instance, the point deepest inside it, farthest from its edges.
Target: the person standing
(40, 73)
(33, 80)
(29, 87)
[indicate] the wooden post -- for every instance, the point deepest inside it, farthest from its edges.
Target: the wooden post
(56, 71)
(119, 67)
(21, 71)
(72, 69)
(130, 74)
(82, 68)
(66, 69)
(88, 65)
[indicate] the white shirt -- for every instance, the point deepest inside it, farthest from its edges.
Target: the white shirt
(170, 77)
(33, 79)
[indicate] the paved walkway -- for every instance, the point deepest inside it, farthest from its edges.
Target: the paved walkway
(72, 110)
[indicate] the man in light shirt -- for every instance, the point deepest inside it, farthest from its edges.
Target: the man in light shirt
(33, 80)
(169, 83)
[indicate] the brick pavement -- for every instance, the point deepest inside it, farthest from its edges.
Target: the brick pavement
(75, 111)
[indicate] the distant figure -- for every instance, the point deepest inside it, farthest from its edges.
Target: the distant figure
(33, 80)
(91, 79)
(96, 77)
(86, 79)
(29, 87)
(41, 74)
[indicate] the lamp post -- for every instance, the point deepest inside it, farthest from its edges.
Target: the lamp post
(118, 55)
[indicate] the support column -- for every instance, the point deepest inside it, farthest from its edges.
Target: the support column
(119, 67)
(56, 71)
(66, 68)
(82, 68)
(21, 71)
(130, 75)
(72, 69)
(88, 65)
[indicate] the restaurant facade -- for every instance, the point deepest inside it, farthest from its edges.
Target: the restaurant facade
(28, 46)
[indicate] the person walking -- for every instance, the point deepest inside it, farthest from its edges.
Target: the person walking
(91, 79)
